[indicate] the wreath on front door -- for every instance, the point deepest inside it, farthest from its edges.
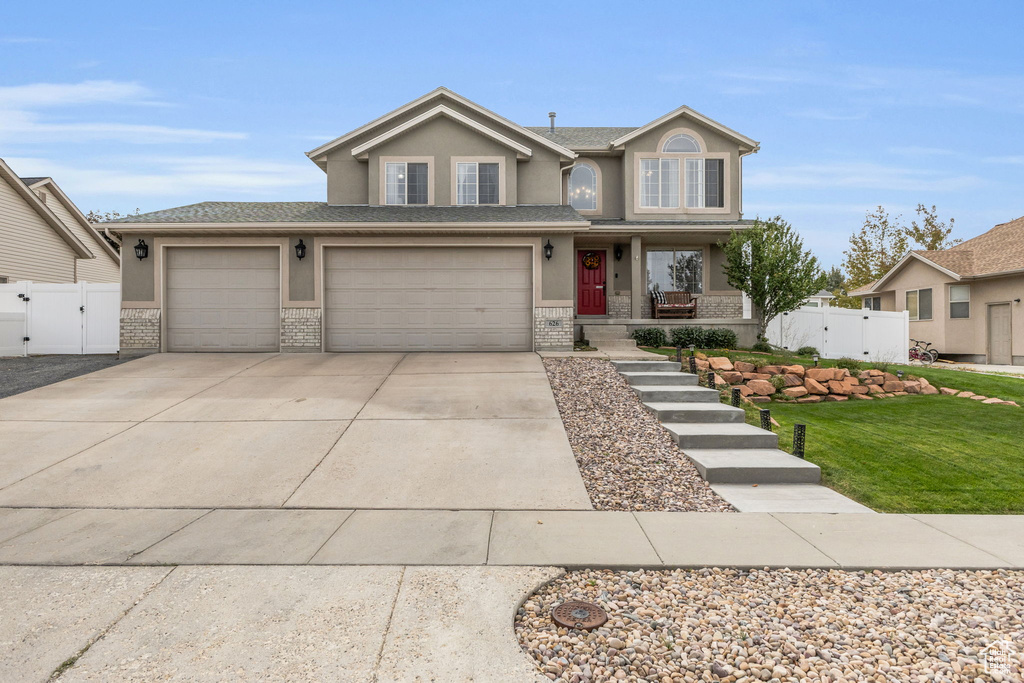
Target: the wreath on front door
(591, 260)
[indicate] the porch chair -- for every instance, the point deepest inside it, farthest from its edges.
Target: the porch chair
(673, 305)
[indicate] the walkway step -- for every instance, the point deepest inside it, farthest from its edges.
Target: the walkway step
(646, 365)
(660, 378)
(605, 332)
(723, 435)
(696, 412)
(752, 466)
(676, 394)
(788, 498)
(608, 344)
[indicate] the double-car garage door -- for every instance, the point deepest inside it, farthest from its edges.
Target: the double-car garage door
(379, 298)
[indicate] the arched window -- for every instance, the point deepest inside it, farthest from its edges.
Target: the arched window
(681, 143)
(583, 188)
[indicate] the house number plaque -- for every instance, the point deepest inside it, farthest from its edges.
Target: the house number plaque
(554, 323)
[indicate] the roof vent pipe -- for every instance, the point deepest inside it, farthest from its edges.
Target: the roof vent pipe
(552, 116)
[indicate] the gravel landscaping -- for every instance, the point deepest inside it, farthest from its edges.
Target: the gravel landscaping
(779, 625)
(21, 374)
(627, 459)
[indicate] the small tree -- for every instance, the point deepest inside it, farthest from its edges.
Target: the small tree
(873, 251)
(932, 233)
(769, 264)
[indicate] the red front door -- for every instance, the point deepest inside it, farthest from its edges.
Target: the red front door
(590, 276)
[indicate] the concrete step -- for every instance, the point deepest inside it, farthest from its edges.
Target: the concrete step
(676, 394)
(660, 378)
(721, 435)
(787, 498)
(696, 412)
(593, 332)
(646, 365)
(608, 344)
(752, 466)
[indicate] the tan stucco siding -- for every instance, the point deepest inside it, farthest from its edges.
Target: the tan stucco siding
(970, 335)
(103, 268)
(649, 144)
(347, 181)
(917, 275)
(29, 247)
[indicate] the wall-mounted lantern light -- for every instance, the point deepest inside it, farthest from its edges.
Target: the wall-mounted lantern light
(548, 250)
(142, 249)
(618, 252)
(300, 250)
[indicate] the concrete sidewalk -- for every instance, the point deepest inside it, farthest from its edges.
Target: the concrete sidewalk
(574, 539)
(265, 623)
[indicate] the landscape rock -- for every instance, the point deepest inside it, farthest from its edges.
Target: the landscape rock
(760, 399)
(912, 387)
(860, 389)
(929, 390)
(837, 387)
(797, 370)
(756, 375)
(810, 399)
(732, 377)
(761, 387)
(794, 392)
(745, 390)
(873, 373)
(792, 380)
(949, 392)
(770, 370)
(890, 386)
(834, 397)
(862, 396)
(703, 364)
(889, 377)
(841, 373)
(820, 374)
(814, 387)
(744, 366)
(872, 379)
(900, 393)
(992, 400)
(978, 397)
(966, 394)
(720, 363)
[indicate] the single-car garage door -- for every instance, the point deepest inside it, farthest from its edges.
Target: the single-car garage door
(429, 299)
(223, 299)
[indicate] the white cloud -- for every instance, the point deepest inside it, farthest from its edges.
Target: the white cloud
(1017, 160)
(198, 178)
(62, 94)
(858, 175)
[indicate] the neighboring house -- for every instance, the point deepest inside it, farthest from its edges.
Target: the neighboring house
(822, 299)
(448, 227)
(965, 300)
(45, 238)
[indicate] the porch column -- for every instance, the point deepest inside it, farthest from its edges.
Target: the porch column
(637, 289)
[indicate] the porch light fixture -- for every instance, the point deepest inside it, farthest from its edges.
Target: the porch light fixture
(142, 249)
(300, 250)
(549, 250)
(618, 252)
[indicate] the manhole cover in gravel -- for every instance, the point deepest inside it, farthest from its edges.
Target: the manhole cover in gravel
(580, 615)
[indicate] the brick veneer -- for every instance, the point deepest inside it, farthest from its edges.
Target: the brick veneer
(552, 337)
(300, 329)
(140, 328)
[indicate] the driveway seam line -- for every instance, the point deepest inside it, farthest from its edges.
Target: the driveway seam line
(37, 528)
(839, 565)
(490, 533)
(64, 667)
(649, 541)
(962, 540)
(387, 628)
(181, 528)
(332, 535)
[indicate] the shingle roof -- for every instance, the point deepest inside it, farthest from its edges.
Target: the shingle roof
(870, 287)
(32, 180)
(320, 212)
(581, 137)
(714, 221)
(999, 250)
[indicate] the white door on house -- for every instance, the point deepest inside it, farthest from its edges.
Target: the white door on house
(999, 352)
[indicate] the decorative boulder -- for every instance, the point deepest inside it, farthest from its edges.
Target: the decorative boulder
(873, 373)
(929, 390)
(745, 390)
(794, 392)
(820, 374)
(859, 390)
(732, 377)
(889, 377)
(912, 387)
(948, 391)
(837, 387)
(979, 397)
(814, 387)
(792, 380)
(797, 370)
(756, 375)
(966, 394)
(770, 370)
(872, 379)
(810, 399)
(891, 386)
(703, 364)
(861, 396)
(841, 373)
(833, 397)
(760, 399)
(744, 366)
(761, 387)
(873, 388)
(720, 363)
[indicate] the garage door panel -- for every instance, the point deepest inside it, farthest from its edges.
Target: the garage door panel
(223, 299)
(423, 299)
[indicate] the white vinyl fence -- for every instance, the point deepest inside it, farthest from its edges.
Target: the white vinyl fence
(37, 318)
(879, 336)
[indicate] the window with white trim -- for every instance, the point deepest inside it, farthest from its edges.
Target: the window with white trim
(919, 304)
(959, 301)
(659, 183)
(476, 183)
(873, 303)
(405, 183)
(681, 143)
(675, 270)
(583, 188)
(704, 181)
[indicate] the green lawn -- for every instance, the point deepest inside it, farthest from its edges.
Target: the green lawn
(913, 454)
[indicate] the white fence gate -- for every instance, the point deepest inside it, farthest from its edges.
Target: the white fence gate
(37, 318)
(881, 336)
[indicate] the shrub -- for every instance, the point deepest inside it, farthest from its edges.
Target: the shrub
(807, 351)
(762, 346)
(701, 338)
(884, 367)
(650, 336)
(848, 364)
(779, 382)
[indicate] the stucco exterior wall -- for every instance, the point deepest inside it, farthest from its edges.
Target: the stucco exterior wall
(917, 275)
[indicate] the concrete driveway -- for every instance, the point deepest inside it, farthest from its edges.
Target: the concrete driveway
(387, 431)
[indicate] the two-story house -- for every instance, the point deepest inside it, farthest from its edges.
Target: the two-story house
(448, 228)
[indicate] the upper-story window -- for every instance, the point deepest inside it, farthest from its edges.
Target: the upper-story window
(477, 183)
(583, 188)
(684, 171)
(405, 183)
(704, 181)
(659, 183)
(681, 143)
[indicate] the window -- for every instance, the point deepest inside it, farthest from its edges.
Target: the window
(3, 279)
(659, 183)
(873, 303)
(476, 183)
(681, 143)
(673, 270)
(583, 188)
(811, 304)
(919, 304)
(959, 301)
(704, 182)
(405, 183)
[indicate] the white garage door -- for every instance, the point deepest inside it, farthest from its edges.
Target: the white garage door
(223, 299)
(429, 299)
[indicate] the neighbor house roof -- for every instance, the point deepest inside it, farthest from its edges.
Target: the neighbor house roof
(33, 180)
(75, 212)
(320, 212)
(996, 252)
(33, 200)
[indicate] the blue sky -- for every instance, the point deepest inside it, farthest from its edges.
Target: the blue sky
(153, 105)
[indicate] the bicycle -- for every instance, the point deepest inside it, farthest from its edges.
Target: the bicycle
(921, 353)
